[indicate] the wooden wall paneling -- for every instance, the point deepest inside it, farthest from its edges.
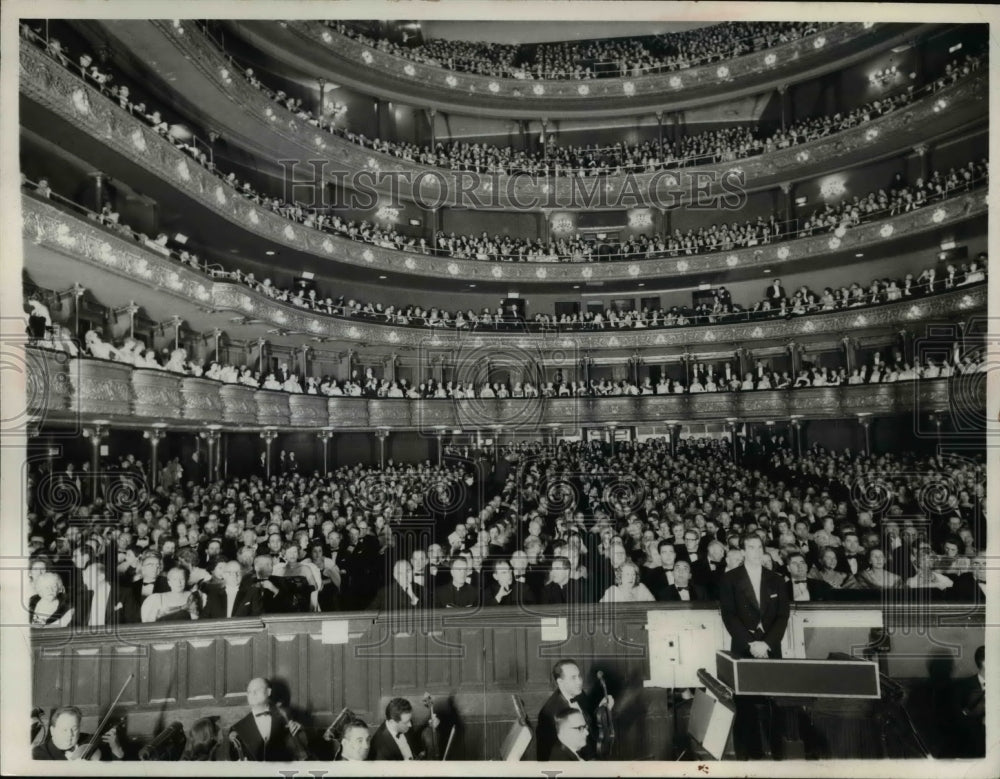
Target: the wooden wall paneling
(285, 663)
(125, 659)
(537, 666)
(235, 665)
(48, 678)
(202, 673)
(162, 676)
(502, 658)
(323, 694)
(85, 676)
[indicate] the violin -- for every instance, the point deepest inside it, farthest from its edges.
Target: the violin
(429, 734)
(90, 750)
(605, 724)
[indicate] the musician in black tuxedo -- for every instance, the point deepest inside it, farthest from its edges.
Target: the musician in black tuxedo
(571, 736)
(394, 739)
(506, 591)
(264, 733)
(568, 694)
(755, 610)
(968, 712)
(64, 737)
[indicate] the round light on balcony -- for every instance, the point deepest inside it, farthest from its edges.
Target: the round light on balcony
(494, 86)
(367, 57)
(871, 134)
(328, 246)
(722, 72)
(938, 215)
(538, 89)
(675, 82)
(451, 81)
(220, 196)
(783, 252)
(253, 217)
(834, 243)
(861, 321)
(183, 171)
(940, 105)
(633, 270)
(682, 265)
(368, 255)
(915, 312)
(410, 263)
(409, 70)
(138, 140)
(802, 156)
(498, 272)
(757, 332)
(452, 269)
(353, 332)
(541, 273)
(966, 302)
(225, 73)
(583, 89)
(770, 59)
(732, 260)
(289, 233)
(886, 230)
(819, 43)
(326, 37)
(841, 231)
(628, 88)
(394, 336)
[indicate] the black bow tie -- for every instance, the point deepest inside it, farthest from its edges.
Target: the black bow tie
(263, 714)
(682, 589)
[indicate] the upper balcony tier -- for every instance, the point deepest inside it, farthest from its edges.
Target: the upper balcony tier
(192, 294)
(315, 48)
(72, 107)
(223, 99)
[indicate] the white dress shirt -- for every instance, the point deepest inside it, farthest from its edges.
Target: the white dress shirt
(98, 606)
(263, 722)
(231, 600)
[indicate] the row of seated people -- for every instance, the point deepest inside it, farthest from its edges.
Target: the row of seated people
(531, 542)
(504, 248)
(776, 302)
(703, 148)
(617, 57)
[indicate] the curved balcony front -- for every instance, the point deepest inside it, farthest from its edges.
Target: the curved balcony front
(231, 104)
(145, 396)
(48, 85)
(45, 225)
(314, 48)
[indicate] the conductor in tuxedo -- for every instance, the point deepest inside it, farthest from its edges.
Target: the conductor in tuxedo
(264, 734)
(755, 609)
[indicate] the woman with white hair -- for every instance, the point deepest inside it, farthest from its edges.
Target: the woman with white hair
(50, 607)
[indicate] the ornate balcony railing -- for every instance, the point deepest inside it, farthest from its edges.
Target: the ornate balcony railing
(368, 66)
(46, 225)
(85, 388)
(297, 139)
(48, 84)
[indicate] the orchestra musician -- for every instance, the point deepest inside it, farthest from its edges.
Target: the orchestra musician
(571, 734)
(568, 694)
(64, 740)
(264, 734)
(355, 741)
(394, 739)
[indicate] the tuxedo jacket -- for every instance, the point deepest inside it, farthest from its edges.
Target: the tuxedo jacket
(562, 753)
(745, 618)
(704, 575)
(696, 592)
(385, 747)
(276, 748)
(656, 581)
(248, 602)
(49, 751)
(448, 596)
(545, 731)
(968, 724)
(112, 609)
(818, 590)
(132, 598)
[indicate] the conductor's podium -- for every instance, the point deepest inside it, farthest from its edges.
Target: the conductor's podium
(789, 682)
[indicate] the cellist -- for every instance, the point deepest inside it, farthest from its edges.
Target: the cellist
(64, 740)
(569, 694)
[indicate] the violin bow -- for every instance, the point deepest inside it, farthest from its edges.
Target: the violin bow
(107, 717)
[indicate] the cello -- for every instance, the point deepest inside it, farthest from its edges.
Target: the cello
(298, 742)
(605, 740)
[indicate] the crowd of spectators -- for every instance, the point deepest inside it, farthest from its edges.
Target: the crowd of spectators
(555, 525)
(606, 58)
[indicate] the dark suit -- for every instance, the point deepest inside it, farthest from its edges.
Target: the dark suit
(818, 590)
(132, 598)
(695, 592)
(248, 602)
(748, 621)
(562, 753)
(394, 598)
(519, 593)
(705, 575)
(967, 589)
(276, 748)
(968, 724)
(450, 596)
(49, 751)
(545, 730)
(656, 581)
(385, 747)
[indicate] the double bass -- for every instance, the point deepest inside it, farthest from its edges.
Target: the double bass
(605, 736)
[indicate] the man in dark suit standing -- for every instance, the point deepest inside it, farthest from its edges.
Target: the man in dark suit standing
(568, 694)
(394, 740)
(755, 610)
(968, 714)
(264, 733)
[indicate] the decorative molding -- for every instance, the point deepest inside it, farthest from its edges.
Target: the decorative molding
(106, 390)
(46, 225)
